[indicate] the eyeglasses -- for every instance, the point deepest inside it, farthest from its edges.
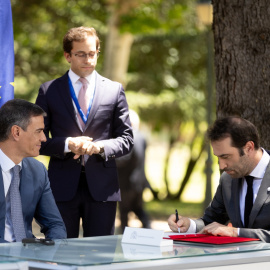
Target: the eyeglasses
(86, 55)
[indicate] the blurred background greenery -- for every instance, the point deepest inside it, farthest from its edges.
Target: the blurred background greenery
(159, 51)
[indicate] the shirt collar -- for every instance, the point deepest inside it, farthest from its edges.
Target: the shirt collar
(260, 169)
(6, 163)
(74, 77)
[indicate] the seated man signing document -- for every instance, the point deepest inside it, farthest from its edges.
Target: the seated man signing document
(25, 191)
(243, 195)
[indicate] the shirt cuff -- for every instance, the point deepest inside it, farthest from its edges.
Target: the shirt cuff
(192, 227)
(67, 150)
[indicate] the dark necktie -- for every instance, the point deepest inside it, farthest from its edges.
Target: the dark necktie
(16, 205)
(249, 198)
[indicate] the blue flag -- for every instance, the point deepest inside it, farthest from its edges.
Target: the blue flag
(7, 53)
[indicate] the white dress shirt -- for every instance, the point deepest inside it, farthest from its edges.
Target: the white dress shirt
(6, 167)
(77, 86)
(258, 174)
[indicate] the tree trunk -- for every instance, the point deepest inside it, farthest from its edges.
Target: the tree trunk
(190, 168)
(117, 52)
(172, 140)
(118, 45)
(241, 37)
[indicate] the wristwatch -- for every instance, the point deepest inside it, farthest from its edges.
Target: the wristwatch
(101, 149)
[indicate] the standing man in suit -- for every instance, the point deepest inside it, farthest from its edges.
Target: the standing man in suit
(21, 134)
(85, 133)
(242, 197)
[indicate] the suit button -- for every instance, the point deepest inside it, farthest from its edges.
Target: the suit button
(78, 160)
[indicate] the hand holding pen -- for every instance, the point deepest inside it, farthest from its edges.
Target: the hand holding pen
(178, 223)
(177, 218)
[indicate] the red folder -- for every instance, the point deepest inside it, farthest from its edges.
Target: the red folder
(210, 239)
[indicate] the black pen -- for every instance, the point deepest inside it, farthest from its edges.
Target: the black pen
(177, 218)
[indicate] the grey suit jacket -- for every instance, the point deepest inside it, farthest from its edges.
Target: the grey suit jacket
(37, 202)
(225, 208)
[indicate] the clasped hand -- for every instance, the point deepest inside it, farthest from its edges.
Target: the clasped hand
(83, 146)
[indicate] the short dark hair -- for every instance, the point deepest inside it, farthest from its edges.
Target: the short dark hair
(238, 129)
(79, 34)
(17, 112)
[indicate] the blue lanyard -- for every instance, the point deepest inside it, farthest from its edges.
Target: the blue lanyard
(73, 96)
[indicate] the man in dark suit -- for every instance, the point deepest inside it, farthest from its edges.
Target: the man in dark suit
(21, 134)
(132, 178)
(235, 141)
(83, 140)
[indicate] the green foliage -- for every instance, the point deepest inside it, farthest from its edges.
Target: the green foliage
(167, 68)
(167, 109)
(168, 76)
(161, 210)
(156, 54)
(39, 27)
(160, 17)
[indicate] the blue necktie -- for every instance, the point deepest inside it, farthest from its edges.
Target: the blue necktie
(16, 206)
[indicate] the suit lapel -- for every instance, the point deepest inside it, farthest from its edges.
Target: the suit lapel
(99, 92)
(261, 196)
(26, 188)
(66, 97)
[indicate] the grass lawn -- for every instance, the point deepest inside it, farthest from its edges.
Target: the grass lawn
(161, 210)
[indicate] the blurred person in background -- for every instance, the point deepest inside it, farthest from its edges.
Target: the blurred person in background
(132, 178)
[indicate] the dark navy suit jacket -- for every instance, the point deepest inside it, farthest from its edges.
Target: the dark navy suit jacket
(108, 122)
(37, 202)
